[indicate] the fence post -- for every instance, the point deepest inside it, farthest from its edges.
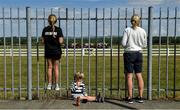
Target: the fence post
(149, 78)
(29, 58)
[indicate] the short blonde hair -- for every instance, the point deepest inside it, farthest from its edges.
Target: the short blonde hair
(79, 75)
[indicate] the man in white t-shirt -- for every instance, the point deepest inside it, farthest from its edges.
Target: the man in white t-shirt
(134, 39)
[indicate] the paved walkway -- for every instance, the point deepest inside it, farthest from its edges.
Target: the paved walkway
(69, 104)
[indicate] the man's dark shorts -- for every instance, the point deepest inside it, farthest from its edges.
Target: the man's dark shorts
(133, 62)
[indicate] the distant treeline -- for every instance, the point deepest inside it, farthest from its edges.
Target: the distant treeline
(115, 40)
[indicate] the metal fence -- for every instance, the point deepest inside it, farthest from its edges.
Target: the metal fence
(103, 69)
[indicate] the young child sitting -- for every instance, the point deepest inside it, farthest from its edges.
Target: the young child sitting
(78, 90)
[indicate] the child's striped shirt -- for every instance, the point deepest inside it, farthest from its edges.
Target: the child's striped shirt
(75, 90)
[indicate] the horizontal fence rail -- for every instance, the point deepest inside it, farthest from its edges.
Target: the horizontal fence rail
(103, 67)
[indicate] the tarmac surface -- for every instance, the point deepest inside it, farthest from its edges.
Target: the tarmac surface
(70, 104)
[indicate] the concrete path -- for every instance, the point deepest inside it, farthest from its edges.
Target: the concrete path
(69, 104)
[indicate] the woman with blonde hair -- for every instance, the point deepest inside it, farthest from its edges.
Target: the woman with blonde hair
(52, 37)
(134, 40)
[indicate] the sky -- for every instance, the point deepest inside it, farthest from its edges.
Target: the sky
(88, 3)
(85, 4)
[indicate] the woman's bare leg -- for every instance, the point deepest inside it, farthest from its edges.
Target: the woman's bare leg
(49, 71)
(56, 70)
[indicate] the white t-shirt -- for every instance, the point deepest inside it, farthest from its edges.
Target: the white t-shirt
(134, 39)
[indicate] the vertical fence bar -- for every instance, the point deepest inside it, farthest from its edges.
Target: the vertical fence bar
(59, 16)
(125, 74)
(67, 77)
(53, 72)
(118, 72)
(111, 52)
(60, 79)
(167, 52)
(12, 53)
(89, 53)
(19, 36)
(126, 18)
(159, 55)
(74, 32)
(60, 74)
(96, 65)
(82, 49)
(149, 78)
(175, 29)
(45, 72)
(134, 12)
(104, 62)
(5, 69)
(29, 56)
(37, 50)
(51, 10)
(141, 14)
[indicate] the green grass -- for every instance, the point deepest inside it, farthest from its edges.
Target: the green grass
(93, 66)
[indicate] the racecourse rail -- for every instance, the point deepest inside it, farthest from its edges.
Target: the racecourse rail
(85, 52)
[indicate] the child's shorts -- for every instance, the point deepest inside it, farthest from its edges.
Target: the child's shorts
(77, 95)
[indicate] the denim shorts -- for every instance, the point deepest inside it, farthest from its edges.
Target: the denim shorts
(133, 62)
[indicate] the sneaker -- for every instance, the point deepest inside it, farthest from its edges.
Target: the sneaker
(78, 101)
(57, 87)
(129, 100)
(49, 86)
(139, 99)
